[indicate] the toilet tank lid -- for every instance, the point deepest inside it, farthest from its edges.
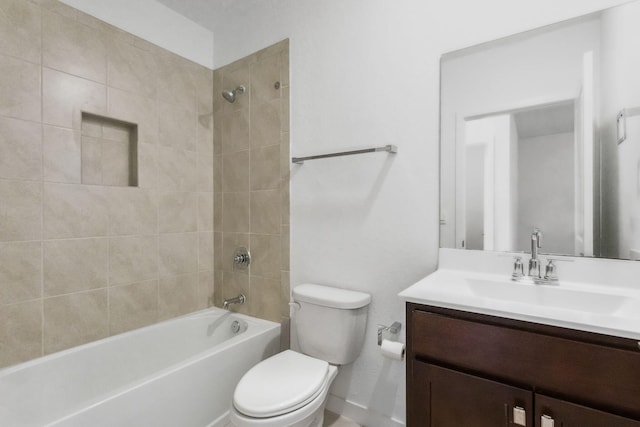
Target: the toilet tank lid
(328, 296)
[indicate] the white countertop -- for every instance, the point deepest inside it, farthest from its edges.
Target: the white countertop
(588, 307)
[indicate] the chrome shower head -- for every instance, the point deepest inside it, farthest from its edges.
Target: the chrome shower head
(230, 95)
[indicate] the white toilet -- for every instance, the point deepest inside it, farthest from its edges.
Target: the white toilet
(290, 389)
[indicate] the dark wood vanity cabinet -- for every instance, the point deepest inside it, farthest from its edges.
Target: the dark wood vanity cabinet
(453, 398)
(471, 370)
(566, 414)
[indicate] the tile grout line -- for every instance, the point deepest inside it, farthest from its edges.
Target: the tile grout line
(42, 266)
(156, 189)
(109, 238)
(251, 131)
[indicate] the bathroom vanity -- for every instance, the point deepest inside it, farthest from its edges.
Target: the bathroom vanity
(467, 369)
(483, 350)
(538, 132)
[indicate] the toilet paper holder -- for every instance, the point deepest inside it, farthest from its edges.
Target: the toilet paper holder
(393, 329)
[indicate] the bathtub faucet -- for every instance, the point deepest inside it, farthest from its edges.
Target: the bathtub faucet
(240, 299)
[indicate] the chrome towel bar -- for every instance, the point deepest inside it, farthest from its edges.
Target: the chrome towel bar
(387, 148)
(621, 121)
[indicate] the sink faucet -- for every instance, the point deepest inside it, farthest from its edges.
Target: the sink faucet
(534, 262)
(240, 299)
(535, 273)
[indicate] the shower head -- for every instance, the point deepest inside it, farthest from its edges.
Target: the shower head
(230, 95)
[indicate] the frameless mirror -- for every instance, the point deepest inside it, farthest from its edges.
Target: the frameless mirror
(541, 130)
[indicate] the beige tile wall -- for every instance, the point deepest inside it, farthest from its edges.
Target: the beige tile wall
(81, 262)
(251, 182)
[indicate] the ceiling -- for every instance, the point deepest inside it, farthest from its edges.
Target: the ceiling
(547, 120)
(207, 12)
(199, 11)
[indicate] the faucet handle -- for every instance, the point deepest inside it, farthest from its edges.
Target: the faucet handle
(518, 269)
(550, 272)
(537, 235)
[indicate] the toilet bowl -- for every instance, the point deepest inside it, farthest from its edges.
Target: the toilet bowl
(293, 392)
(291, 388)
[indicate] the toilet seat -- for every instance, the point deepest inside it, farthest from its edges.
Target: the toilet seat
(306, 416)
(280, 384)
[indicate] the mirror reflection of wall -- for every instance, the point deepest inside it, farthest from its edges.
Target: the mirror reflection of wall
(475, 197)
(546, 159)
(620, 68)
(529, 139)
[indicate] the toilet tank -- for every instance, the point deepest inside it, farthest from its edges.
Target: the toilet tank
(330, 322)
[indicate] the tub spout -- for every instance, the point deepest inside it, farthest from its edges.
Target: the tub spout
(240, 299)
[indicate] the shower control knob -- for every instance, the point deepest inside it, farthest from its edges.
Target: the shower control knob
(242, 257)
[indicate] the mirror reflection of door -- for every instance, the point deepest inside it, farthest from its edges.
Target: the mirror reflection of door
(520, 166)
(484, 141)
(491, 182)
(546, 179)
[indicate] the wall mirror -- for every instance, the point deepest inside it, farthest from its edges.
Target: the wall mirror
(541, 130)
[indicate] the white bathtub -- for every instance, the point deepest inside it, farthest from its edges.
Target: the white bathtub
(178, 373)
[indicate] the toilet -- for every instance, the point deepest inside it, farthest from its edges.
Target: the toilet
(291, 388)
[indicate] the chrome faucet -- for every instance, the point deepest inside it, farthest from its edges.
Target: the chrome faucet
(518, 273)
(534, 262)
(535, 273)
(240, 299)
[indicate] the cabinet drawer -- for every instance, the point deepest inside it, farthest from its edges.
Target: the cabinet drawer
(588, 373)
(567, 414)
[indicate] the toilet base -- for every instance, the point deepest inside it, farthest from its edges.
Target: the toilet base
(319, 419)
(311, 415)
(316, 420)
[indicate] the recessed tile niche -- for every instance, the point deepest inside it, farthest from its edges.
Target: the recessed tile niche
(109, 151)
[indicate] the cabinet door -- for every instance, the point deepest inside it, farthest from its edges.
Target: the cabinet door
(450, 398)
(559, 413)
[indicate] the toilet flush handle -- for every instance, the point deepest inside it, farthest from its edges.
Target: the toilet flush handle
(293, 308)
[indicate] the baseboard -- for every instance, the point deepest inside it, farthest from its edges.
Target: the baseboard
(221, 421)
(360, 414)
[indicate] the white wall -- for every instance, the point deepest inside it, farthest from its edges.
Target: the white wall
(366, 72)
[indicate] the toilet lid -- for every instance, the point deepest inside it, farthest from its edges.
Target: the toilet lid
(280, 384)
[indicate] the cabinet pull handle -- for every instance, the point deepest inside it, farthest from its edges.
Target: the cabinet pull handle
(546, 421)
(519, 416)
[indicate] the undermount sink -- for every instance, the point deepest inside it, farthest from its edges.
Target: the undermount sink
(585, 298)
(547, 295)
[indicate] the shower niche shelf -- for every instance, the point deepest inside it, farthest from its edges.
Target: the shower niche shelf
(109, 151)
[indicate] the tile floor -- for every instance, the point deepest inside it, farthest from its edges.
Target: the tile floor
(333, 420)
(330, 420)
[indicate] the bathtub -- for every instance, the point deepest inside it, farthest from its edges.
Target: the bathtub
(178, 373)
